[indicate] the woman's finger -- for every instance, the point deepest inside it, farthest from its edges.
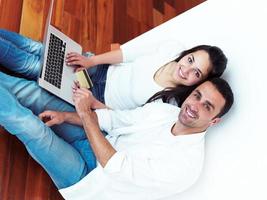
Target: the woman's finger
(82, 91)
(70, 54)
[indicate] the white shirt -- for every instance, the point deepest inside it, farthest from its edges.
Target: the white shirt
(131, 83)
(150, 162)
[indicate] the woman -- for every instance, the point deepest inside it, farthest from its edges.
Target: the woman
(131, 76)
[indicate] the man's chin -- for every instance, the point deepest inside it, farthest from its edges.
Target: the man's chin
(184, 120)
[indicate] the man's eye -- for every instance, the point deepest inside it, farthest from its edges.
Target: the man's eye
(207, 107)
(197, 96)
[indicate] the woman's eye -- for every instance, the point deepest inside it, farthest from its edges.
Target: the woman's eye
(190, 60)
(197, 74)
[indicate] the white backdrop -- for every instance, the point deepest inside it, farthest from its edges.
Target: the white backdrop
(236, 150)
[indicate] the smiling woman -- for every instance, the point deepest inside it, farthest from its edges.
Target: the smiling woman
(157, 66)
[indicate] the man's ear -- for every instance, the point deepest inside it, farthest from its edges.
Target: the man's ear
(215, 121)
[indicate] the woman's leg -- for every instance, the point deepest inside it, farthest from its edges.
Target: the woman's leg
(32, 96)
(19, 60)
(62, 162)
(98, 74)
(22, 42)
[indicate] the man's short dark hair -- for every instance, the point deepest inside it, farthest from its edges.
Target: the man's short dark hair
(225, 90)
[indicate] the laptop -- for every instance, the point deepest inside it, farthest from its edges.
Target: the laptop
(55, 76)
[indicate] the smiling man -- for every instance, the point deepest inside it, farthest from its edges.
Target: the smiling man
(193, 117)
(151, 152)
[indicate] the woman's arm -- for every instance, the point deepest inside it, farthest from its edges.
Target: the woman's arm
(111, 57)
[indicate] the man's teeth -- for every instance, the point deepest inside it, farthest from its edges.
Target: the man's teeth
(190, 113)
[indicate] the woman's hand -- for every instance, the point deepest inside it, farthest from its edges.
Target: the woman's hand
(52, 117)
(83, 100)
(81, 62)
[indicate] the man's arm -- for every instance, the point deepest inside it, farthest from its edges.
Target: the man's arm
(53, 117)
(102, 148)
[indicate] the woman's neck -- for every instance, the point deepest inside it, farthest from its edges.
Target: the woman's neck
(163, 76)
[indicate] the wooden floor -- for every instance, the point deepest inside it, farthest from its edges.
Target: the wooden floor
(93, 23)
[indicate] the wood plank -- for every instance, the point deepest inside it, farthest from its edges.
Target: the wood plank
(120, 22)
(158, 17)
(57, 19)
(169, 11)
(89, 26)
(33, 9)
(10, 14)
(17, 165)
(104, 26)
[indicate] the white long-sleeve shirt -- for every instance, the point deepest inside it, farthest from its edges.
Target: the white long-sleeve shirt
(150, 162)
(131, 83)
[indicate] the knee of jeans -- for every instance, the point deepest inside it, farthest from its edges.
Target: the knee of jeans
(35, 133)
(34, 68)
(2, 31)
(7, 103)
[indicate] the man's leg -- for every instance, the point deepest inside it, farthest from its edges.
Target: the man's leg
(16, 58)
(33, 97)
(61, 161)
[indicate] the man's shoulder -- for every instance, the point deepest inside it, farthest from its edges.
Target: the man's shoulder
(160, 106)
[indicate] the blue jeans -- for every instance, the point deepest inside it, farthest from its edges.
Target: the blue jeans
(62, 150)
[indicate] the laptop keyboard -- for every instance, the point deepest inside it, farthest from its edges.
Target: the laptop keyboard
(55, 61)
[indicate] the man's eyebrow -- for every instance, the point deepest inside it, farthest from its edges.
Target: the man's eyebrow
(198, 92)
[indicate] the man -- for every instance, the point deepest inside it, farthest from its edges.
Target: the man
(151, 152)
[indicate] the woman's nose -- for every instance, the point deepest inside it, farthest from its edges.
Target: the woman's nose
(187, 71)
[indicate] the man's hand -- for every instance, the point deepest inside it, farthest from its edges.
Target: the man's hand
(81, 62)
(52, 117)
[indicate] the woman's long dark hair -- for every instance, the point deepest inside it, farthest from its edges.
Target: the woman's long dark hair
(178, 94)
(181, 92)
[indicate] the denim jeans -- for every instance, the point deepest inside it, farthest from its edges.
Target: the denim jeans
(62, 150)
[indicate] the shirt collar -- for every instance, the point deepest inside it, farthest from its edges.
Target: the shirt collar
(190, 138)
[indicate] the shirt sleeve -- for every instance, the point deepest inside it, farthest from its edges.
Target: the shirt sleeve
(169, 48)
(165, 173)
(111, 119)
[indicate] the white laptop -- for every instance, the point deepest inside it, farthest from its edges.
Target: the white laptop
(56, 76)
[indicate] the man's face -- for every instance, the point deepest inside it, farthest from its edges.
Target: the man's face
(201, 106)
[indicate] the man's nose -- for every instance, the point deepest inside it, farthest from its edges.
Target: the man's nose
(194, 107)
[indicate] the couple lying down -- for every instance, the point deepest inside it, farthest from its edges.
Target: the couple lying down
(117, 143)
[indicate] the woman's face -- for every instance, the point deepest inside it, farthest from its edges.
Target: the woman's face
(192, 68)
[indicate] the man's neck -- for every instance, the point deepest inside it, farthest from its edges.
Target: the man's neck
(179, 129)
